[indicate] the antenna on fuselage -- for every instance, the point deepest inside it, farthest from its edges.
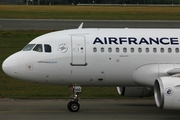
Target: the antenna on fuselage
(81, 25)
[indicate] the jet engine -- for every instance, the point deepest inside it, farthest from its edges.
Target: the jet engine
(167, 92)
(135, 91)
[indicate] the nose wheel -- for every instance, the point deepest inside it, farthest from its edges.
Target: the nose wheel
(73, 105)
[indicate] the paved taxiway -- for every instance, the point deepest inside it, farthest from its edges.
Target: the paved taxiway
(106, 109)
(43, 24)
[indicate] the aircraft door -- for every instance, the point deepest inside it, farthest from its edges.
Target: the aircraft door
(78, 50)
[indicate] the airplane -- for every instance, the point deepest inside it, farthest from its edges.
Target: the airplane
(139, 62)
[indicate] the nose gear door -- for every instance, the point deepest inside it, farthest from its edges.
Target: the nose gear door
(78, 50)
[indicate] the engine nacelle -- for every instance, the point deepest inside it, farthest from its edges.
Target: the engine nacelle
(147, 74)
(135, 91)
(167, 92)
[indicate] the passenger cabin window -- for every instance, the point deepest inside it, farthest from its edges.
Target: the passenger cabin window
(47, 48)
(94, 49)
(38, 48)
(169, 50)
(154, 50)
(28, 47)
(132, 50)
(124, 50)
(117, 50)
(139, 50)
(162, 50)
(147, 50)
(102, 49)
(177, 50)
(109, 49)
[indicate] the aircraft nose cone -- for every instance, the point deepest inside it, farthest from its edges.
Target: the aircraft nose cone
(10, 66)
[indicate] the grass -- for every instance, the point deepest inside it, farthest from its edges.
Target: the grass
(91, 12)
(13, 41)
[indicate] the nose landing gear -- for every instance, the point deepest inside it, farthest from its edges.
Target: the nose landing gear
(73, 105)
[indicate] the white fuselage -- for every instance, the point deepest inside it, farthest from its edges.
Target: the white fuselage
(134, 60)
(96, 57)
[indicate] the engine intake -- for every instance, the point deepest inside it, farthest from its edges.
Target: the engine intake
(167, 92)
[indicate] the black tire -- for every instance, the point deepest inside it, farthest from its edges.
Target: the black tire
(73, 106)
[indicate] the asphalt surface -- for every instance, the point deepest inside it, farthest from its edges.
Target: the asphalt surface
(105, 109)
(33, 24)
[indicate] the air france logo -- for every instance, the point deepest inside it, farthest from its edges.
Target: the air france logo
(137, 41)
(168, 91)
(63, 48)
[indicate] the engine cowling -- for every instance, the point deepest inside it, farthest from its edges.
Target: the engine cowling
(167, 92)
(135, 91)
(147, 74)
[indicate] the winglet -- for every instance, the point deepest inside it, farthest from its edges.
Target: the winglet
(81, 25)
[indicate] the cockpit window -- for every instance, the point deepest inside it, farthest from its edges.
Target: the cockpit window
(47, 48)
(38, 48)
(28, 47)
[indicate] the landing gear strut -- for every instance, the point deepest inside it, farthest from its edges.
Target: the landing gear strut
(73, 105)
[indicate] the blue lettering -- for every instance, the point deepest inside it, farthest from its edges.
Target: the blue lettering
(97, 40)
(112, 40)
(122, 39)
(174, 41)
(132, 40)
(151, 40)
(105, 40)
(143, 40)
(136, 41)
(162, 41)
